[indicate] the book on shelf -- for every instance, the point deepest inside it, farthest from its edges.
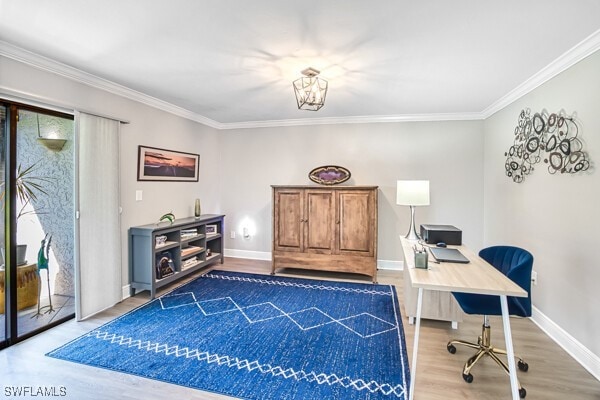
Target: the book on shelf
(188, 233)
(190, 262)
(190, 249)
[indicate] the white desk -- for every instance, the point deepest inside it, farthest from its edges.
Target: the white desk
(475, 277)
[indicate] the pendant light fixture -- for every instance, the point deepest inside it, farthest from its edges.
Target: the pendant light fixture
(310, 90)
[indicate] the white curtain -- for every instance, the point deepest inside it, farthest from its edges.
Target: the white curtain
(98, 265)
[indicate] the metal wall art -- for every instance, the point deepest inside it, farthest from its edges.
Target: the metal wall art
(552, 138)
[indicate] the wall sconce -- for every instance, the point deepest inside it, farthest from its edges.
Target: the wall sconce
(51, 142)
(310, 91)
(246, 233)
(412, 193)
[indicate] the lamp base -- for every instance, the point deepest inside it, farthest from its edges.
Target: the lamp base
(412, 232)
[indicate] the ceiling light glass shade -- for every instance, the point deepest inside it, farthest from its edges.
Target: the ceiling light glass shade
(310, 90)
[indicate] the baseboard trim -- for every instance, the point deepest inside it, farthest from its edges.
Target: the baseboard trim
(390, 265)
(125, 293)
(578, 351)
(266, 256)
(250, 254)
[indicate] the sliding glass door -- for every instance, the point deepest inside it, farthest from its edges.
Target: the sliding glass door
(39, 214)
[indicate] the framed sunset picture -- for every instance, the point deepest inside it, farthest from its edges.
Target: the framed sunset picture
(156, 164)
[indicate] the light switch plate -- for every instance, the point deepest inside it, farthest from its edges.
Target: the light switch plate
(138, 195)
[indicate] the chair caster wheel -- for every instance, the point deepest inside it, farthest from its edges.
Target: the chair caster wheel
(523, 366)
(468, 378)
(451, 348)
(522, 393)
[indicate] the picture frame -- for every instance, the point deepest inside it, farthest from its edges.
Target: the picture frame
(156, 164)
(211, 229)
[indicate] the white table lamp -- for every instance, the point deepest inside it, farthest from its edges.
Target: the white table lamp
(412, 193)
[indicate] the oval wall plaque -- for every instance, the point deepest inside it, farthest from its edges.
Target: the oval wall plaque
(329, 175)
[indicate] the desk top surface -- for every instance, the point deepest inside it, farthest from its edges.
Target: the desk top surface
(478, 276)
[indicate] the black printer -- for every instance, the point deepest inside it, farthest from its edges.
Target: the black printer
(448, 234)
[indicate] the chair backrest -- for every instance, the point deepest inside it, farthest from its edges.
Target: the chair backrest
(516, 264)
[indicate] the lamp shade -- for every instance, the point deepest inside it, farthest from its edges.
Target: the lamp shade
(412, 193)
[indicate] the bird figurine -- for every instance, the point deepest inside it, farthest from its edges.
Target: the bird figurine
(42, 263)
(168, 217)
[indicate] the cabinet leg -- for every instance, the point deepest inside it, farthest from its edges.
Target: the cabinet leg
(411, 320)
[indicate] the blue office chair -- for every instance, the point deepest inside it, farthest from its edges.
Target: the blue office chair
(516, 264)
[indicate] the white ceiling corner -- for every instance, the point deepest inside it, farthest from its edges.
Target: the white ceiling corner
(583, 49)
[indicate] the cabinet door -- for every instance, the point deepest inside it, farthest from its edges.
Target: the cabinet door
(287, 219)
(319, 222)
(355, 222)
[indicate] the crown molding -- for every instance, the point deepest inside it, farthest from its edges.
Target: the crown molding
(354, 120)
(581, 50)
(49, 65)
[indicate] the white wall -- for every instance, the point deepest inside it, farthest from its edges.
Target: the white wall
(555, 217)
(148, 126)
(446, 153)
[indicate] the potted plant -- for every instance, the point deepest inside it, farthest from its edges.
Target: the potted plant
(28, 187)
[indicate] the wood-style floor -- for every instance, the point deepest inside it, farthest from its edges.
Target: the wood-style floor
(552, 374)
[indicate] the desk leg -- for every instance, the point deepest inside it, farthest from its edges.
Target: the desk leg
(413, 372)
(510, 354)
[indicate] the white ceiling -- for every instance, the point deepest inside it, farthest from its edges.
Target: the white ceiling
(233, 61)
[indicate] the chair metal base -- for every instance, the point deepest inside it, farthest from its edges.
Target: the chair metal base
(484, 347)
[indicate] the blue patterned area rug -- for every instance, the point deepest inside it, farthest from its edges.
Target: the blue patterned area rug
(260, 337)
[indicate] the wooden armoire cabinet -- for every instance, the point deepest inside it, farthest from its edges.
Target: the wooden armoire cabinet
(325, 228)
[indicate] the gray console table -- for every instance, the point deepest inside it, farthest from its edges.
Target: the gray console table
(191, 244)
